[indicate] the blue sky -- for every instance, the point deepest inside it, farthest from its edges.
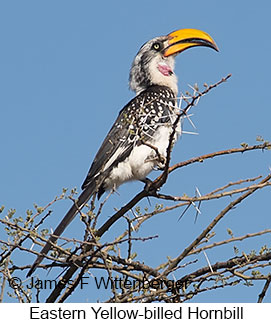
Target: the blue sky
(64, 69)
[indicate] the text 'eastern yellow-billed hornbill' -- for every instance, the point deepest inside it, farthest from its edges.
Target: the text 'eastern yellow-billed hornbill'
(147, 119)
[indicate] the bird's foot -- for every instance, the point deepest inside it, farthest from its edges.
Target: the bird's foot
(160, 167)
(161, 162)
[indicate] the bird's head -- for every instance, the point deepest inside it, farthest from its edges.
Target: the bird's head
(154, 63)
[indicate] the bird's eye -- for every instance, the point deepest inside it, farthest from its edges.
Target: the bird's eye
(157, 46)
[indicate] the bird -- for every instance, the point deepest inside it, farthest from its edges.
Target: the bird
(137, 142)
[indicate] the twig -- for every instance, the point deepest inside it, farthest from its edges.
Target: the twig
(129, 252)
(200, 159)
(100, 208)
(241, 181)
(4, 279)
(20, 242)
(264, 290)
(220, 243)
(209, 196)
(229, 265)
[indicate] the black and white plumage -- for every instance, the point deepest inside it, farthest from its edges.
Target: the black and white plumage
(147, 119)
(124, 156)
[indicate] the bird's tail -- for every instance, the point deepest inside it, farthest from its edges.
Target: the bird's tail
(82, 200)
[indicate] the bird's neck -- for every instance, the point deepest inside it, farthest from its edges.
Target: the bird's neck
(158, 89)
(163, 79)
(170, 84)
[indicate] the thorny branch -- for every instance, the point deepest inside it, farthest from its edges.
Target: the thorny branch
(151, 284)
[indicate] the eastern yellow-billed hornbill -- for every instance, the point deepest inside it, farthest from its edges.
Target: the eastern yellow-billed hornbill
(147, 119)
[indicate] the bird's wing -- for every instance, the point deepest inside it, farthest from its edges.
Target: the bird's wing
(116, 146)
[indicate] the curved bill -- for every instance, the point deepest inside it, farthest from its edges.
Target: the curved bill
(183, 39)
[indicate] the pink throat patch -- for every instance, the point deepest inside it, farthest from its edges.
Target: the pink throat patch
(165, 69)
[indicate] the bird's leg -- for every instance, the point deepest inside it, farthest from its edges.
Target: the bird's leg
(161, 160)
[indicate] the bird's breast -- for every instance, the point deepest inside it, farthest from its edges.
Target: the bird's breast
(142, 158)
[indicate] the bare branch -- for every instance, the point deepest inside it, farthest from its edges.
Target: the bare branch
(187, 250)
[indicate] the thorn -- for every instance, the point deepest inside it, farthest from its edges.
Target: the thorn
(190, 132)
(183, 213)
(198, 192)
(191, 122)
(194, 204)
(209, 264)
(197, 213)
(32, 246)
